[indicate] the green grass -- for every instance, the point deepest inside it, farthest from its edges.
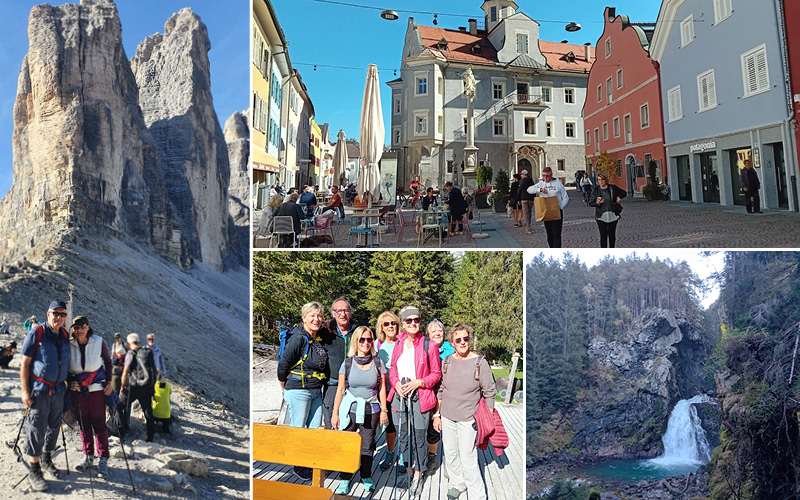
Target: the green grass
(503, 373)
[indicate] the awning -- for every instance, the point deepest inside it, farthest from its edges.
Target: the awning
(265, 162)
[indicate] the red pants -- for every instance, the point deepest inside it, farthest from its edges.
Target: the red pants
(93, 421)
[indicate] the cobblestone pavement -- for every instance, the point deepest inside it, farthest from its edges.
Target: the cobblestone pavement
(657, 224)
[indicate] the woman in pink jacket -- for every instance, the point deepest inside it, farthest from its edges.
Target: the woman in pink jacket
(414, 372)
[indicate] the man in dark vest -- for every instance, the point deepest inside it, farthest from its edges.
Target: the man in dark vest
(336, 338)
(748, 178)
(133, 391)
(45, 364)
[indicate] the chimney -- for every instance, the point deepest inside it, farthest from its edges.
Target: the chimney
(473, 27)
(462, 29)
(587, 50)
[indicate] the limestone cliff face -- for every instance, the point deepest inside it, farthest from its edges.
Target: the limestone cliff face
(655, 363)
(84, 162)
(237, 136)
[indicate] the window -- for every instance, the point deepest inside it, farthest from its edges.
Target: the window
(547, 94)
(493, 14)
(706, 91)
(619, 78)
(619, 168)
(550, 128)
(674, 101)
(569, 96)
(450, 166)
(440, 124)
(754, 71)
(498, 90)
(722, 9)
(441, 85)
(569, 128)
(596, 140)
(421, 125)
(499, 125)
(647, 159)
(605, 131)
(644, 115)
(628, 129)
(588, 138)
(396, 136)
(560, 165)
(616, 126)
(396, 106)
(608, 48)
(687, 31)
(530, 125)
(522, 43)
(609, 90)
(599, 93)
(422, 85)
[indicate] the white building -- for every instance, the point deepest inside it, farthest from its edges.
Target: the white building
(527, 107)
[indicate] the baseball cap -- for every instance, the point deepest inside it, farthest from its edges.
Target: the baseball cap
(524, 172)
(57, 304)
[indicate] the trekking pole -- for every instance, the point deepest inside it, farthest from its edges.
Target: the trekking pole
(411, 461)
(80, 424)
(64, 442)
(125, 456)
(19, 433)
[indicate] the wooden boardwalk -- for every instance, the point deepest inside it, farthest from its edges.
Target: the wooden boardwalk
(503, 476)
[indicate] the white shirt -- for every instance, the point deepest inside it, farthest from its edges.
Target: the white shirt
(554, 188)
(405, 364)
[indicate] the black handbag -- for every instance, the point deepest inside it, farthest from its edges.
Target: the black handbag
(617, 208)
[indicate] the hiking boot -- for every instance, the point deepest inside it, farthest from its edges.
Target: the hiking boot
(303, 473)
(402, 481)
(453, 493)
(85, 463)
(48, 466)
(369, 484)
(432, 464)
(401, 467)
(387, 460)
(343, 488)
(416, 486)
(102, 468)
(36, 478)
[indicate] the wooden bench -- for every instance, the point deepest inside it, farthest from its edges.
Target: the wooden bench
(318, 449)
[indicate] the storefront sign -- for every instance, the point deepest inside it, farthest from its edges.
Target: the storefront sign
(702, 146)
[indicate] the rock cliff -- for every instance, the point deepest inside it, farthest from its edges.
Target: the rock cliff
(237, 136)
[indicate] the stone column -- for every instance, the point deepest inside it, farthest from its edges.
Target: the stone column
(470, 151)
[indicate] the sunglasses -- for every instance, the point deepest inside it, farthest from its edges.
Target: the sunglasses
(389, 323)
(59, 315)
(462, 339)
(412, 320)
(368, 340)
(547, 176)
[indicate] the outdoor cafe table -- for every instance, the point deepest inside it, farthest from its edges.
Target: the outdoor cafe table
(361, 212)
(444, 214)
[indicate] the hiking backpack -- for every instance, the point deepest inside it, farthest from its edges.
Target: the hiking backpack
(478, 360)
(284, 337)
(145, 373)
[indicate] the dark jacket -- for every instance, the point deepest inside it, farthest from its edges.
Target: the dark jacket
(514, 196)
(606, 205)
(427, 202)
(456, 202)
(337, 346)
(293, 210)
(316, 362)
(522, 192)
(50, 359)
(748, 178)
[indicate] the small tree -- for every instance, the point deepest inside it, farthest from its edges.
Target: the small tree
(501, 183)
(606, 165)
(483, 174)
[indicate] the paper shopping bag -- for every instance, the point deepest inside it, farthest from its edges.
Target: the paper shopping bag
(546, 208)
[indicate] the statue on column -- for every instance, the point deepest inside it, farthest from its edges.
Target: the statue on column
(469, 83)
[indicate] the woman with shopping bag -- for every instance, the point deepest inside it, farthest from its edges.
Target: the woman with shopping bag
(547, 210)
(606, 200)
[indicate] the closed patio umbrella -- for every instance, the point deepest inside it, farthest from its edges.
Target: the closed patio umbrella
(372, 136)
(339, 159)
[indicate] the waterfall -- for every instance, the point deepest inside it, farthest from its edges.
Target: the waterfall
(685, 440)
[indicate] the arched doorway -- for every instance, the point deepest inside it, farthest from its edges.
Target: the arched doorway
(524, 164)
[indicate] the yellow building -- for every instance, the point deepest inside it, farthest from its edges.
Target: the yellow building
(315, 152)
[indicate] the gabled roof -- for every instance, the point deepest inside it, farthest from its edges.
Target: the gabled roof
(525, 61)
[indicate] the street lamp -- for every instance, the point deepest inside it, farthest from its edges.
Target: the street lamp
(573, 27)
(389, 15)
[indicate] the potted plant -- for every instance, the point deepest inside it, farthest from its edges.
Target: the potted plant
(501, 192)
(483, 175)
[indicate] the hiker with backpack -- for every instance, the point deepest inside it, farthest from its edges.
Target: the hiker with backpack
(89, 383)
(138, 384)
(336, 337)
(415, 371)
(161, 367)
(302, 372)
(467, 381)
(360, 403)
(43, 373)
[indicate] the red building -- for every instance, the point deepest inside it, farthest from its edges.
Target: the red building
(622, 113)
(791, 17)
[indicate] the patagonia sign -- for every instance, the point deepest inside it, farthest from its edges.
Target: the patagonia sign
(703, 146)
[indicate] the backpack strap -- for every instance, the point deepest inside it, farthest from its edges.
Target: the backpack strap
(348, 363)
(445, 363)
(426, 343)
(478, 361)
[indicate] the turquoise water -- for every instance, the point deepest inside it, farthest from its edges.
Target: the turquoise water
(636, 470)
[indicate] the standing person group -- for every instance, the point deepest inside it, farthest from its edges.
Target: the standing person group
(341, 376)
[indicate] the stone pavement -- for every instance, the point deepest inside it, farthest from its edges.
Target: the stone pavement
(644, 224)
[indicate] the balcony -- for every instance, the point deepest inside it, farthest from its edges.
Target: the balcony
(524, 100)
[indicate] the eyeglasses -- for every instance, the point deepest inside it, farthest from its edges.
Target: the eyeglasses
(389, 323)
(546, 176)
(412, 320)
(59, 315)
(341, 311)
(368, 340)
(151, 340)
(462, 339)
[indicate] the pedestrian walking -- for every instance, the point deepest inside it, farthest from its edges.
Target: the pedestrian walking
(606, 200)
(525, 198)
(748, 178)
(548, 187)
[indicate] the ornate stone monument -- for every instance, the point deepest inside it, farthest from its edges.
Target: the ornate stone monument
(470, 151)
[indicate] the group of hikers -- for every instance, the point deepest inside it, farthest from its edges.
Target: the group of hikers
(421, 387)
(74, 376)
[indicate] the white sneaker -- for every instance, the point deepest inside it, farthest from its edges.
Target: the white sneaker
(85, 464)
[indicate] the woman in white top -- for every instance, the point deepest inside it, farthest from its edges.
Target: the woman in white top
(387, 328)
(550, 186)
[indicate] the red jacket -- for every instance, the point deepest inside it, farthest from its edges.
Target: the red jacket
(430, 372)
(490, 428)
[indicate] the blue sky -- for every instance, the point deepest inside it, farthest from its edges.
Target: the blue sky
(336, 35)
(228, 26)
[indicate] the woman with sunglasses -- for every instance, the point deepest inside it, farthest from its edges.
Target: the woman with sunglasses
(550, 186)
(387, 328)
(435, 332)
(604, 197)
(415, 370)
(466, 378)
(361, 397)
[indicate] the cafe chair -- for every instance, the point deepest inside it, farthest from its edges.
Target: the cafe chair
(283, 224)
(407, 219)
(430, 222)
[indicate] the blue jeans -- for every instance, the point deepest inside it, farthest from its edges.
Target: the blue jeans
(305, 407)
